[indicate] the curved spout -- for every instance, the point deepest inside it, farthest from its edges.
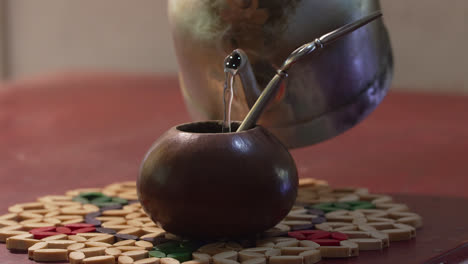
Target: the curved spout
(246, 75)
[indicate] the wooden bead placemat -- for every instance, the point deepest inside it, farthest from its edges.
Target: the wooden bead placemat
(108, 225)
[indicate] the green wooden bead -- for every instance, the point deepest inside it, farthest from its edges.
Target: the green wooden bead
(91, 195)
(157, 254)
(80, 200)
(105, 204)
(364, 205)
(119, 200)
(343, 205)
(102, 199)
(168, 247)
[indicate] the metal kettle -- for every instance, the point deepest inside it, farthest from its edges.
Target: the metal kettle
(323, 96)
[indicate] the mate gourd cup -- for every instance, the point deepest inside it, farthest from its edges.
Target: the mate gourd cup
(198, 182)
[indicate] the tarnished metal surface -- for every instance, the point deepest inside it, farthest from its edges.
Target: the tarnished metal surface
(324, 95)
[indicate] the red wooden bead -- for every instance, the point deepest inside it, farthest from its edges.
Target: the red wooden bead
(63, 230)
(327, 242)
(42, 229)
(318, 236)
(83, 230)
(78, 226)
(297, 235)
(41, 235)
(339, 236)
(310, 232)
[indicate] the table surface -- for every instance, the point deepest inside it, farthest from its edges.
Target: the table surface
(85, 130)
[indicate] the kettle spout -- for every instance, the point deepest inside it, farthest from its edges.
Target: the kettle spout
(246, 75)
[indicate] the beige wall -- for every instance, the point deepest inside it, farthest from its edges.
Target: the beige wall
(2, 39)
(54, 35)
(430, 43)
(429, 39)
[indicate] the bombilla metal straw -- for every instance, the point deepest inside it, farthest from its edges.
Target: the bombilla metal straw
(319, 43)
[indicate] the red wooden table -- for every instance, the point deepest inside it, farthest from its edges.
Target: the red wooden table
(84, 130)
